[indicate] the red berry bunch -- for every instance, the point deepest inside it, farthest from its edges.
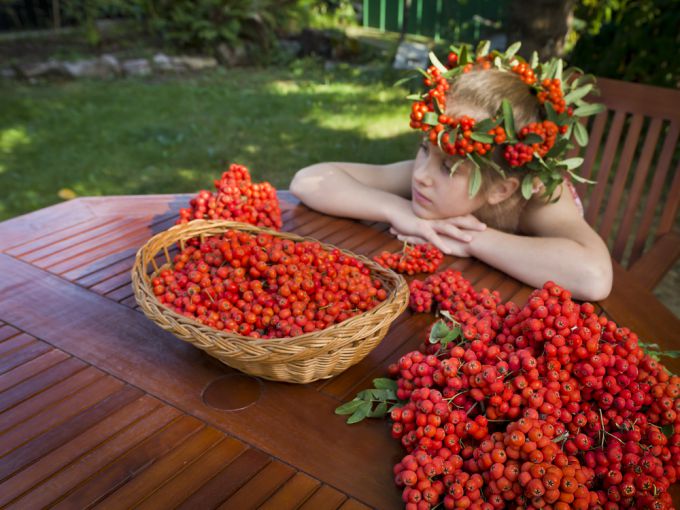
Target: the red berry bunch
(264, 287)
(522, 153)
(420, 258)
(524, 70)
(552, 92)
(237, 199)
(545, 406)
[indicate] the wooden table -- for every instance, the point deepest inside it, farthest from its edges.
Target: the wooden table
(100, 407)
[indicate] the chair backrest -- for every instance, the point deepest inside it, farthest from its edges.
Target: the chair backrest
(634, 155)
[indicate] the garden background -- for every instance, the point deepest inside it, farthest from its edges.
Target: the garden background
(283, 84)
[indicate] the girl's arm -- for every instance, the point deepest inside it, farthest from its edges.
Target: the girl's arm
(354, 190)
(374, 193)
(561, 247)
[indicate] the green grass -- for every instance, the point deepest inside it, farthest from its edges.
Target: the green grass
(175, 135)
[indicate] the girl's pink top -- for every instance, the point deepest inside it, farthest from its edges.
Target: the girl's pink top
(574, 194)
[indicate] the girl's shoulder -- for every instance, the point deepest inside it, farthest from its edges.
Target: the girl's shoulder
(543, 214)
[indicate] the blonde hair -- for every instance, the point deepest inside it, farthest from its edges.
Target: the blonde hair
(485, 89)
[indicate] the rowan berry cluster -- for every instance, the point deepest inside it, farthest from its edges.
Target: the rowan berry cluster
(263, 286)
(547, 406)
(419, 258)
(523, 152)
(237, 199)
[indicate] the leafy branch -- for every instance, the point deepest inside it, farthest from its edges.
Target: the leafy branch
(374, 402)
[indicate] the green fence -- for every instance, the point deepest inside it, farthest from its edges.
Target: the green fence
(441, 19)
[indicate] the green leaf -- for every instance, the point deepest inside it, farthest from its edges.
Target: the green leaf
(463, 57)
(481, 137)
(558, 69)
(591, 109)
(349, 407)
(384, 383)
(532, 138)
(485, 125)
(415, 97)
(483, 48)
(475, 180)
(361, 413)
(512, 49)
(528, 186)
(437, 63)
(452, 72)
(578, 93)
(425, 74)
(668, 430)
(580, 134)
(455, 166)
(558, 148)
(572, 163)
(406, 79)
(533, 62)
(508, 119)
(580, 179)
(552, 114)
(498, 63)
(379, 412)
(438, 332)
(431, 118)
(439, 138)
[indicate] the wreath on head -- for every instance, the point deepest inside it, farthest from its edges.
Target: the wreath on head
(538, 148)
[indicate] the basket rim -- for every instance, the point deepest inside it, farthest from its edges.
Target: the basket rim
(145, 278)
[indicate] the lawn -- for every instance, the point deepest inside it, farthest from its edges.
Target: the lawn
(175, 134)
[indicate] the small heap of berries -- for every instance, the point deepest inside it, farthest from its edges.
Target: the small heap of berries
(237, 199)
(263, 286)
(419, 258)
(546, 406)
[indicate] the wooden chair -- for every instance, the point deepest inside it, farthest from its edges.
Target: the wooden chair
(633, 153)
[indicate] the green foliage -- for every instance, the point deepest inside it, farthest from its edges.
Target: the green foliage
(632, 40)
(86, 12)
(202, 24)
(137, 136)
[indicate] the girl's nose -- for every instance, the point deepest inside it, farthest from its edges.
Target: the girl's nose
(422, 172)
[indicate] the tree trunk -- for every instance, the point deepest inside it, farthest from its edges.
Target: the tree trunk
(56, 15)
(541, 25)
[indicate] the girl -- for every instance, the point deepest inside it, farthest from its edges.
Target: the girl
(504, 203)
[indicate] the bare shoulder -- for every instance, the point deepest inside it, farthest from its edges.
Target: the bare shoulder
(558, 218)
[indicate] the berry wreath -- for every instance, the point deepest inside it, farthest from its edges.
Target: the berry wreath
(538, 147)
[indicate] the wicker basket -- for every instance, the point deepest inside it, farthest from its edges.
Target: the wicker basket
(300, 359)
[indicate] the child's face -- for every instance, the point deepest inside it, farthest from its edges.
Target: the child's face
(437, 194)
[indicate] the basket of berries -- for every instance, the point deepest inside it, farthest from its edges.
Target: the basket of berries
(271, 304)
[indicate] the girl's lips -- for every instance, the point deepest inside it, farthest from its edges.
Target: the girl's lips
(420, 198)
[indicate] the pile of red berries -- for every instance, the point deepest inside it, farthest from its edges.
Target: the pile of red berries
(420, 258)
(237, 199)
(547, 406)
(265, 287)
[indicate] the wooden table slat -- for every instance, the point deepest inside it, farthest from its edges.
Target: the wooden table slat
(23, 353)
(61, 484)
(37, 382)
(225, 483)
(7, 331)
(158, 473)
(325, 498)
(21, 412)
(9, 347)
(31, 368)
(61, 412)
(188, 481)
(69, 451)
(292, 494)
(259, 488)
(38, 447)
(125, 467)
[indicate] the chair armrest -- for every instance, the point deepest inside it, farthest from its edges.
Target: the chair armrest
(653, 265)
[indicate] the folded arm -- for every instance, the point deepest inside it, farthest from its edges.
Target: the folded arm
(560, 246)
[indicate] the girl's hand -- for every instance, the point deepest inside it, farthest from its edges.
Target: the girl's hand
(447, 245)
(457, 228)
(450, 235)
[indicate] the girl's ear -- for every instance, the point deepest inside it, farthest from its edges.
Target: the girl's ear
(502, 190)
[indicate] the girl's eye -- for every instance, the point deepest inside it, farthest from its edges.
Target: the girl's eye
(425, 147)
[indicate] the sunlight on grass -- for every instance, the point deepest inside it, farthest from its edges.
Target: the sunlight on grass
(189, 173)
(12, 138)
